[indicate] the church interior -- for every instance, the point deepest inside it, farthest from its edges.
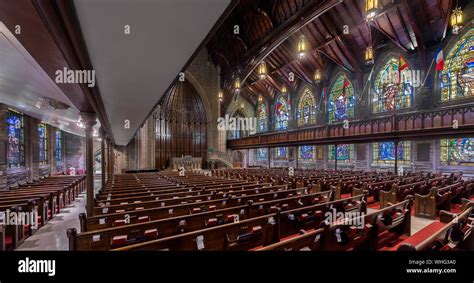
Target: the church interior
(237, 125)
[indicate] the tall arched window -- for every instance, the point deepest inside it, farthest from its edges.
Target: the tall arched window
(307, 153)
(282, 113)
(43, 143)
(306, 113)
(341, 100)
(384, 152)
(456, 78)
(239, 131)
(457, 152)
(262, 115)
(16, 139)
(392, 92)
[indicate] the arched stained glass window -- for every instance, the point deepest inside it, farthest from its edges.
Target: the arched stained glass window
(391, 92)
(384, 152)
(281, 153)
(307, 153)
(262, 154)
(282, 113)
(457, 152)
(262, 115)
(457, 76)
(16, 139)
(345, 153)
(306, 113)
(59, 146)
(43, 143)
(341, 100)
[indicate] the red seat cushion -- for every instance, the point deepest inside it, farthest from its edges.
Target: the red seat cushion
(151, 233)
(119, 223)
(142, 219)
(119, 240)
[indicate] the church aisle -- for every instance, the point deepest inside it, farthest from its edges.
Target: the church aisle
(52, 237)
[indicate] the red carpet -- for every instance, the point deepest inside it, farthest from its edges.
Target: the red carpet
(421, 235)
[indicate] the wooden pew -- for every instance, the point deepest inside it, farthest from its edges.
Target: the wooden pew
(437, 199)
(455, 235)
(102, 239)
(307, 241)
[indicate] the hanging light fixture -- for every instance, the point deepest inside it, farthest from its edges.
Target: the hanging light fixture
(371, 9)
(302, 47)
(220, 96)
(262, 70)
(317, 76)
(284, 90)
(456, 20)
(260, 98)
(369, 55)
(237, 84)
(242, 106)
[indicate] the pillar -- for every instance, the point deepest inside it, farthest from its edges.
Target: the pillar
(32, 147)
(4, 145)
(396, 157)
(269, 159)
(89, 122)
(52, 150)
(296, 156)
(102, 156)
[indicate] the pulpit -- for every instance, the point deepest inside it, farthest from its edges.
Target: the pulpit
(188, 162)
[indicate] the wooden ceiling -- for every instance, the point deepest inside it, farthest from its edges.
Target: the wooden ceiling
(269, 30)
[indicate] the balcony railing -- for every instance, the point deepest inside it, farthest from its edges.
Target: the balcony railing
(435, 123)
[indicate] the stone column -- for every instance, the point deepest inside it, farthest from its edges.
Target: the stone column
(89, 121)
(52, 150)
(32, 147)
(4, 145)
(102, 156)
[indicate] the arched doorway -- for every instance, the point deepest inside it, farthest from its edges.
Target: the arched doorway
(181, 125)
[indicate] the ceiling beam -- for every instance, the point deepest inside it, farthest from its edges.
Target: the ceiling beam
(282, 32)
(418, 35)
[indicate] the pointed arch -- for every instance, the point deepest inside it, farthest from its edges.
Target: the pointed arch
(341, 100)
(262, 116)
(392, 90)
(282, 113)
(457, 76)
(306, 111)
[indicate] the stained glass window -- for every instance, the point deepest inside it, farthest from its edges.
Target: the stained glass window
(281, 153)
(262, 115)
(59, 146)
(282, 113)
(16, 139)
(306, 113)
(384, 152)
(341, 100)
(345, 153)
(391, 92)
(262, 154)
(456, 78)
(457, 152)
(43, 143)
(307, 153)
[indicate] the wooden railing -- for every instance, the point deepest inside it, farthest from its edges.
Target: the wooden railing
(435, 123)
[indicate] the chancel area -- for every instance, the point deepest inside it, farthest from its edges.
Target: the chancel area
(225, 125)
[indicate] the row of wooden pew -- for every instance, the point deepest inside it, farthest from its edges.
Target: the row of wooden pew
(136, 211)
(46, 197)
